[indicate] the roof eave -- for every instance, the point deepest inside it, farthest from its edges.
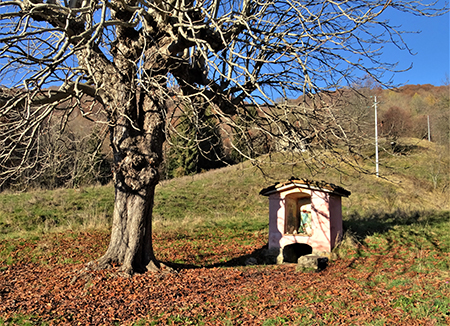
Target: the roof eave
(272, 190)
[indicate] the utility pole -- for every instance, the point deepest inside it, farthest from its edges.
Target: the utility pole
(428, 122)
(376, 138)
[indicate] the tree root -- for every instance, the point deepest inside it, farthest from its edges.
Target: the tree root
(125, 271)
(82, 274)
(159, 267)
(95, 265)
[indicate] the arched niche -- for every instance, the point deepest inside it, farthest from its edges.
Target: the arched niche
(298, 219)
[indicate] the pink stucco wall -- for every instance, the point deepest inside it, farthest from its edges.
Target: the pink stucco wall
(336, 219)
(321, 215)
(326, 220)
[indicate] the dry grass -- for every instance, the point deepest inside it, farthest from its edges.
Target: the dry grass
(232, 193)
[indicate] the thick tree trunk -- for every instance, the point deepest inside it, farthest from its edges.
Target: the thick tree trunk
(136, 135)
(131, 236)
(137, 149)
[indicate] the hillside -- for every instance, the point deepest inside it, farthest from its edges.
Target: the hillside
(413, 182)
(402, 112)
(81, 154)
(392, 267)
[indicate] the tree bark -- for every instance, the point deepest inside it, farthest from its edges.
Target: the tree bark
(136, 118)
(137, 149)
(131, 237)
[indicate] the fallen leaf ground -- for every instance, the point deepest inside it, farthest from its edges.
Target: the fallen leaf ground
(378, 288)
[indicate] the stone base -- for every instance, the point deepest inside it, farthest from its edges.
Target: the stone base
(281, 255)
(311, 263)
(329, 255)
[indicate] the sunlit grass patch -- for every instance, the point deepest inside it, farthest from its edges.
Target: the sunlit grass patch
(22, 320)
(39, 211)
(424, 308)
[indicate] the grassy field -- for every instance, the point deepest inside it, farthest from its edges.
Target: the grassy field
(392, 267)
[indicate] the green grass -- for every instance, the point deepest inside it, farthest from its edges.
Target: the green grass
(397, 233)
(24, 320)
(231, 195)
(40, 211)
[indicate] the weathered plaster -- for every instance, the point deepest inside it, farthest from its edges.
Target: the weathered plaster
(326, 218)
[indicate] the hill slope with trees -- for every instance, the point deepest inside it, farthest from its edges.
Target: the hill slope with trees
(392, 267)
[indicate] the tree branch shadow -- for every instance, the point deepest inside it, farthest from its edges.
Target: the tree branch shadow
(238, 261)
(359, 225)
(372, 223)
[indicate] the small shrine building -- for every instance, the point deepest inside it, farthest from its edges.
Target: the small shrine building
(307, 212)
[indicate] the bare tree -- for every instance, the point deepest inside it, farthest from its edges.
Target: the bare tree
(141, 60)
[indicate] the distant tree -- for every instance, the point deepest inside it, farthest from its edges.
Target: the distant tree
(136, 58)
(357, 107)
(440, 118)
(194, 146)
(246, 140)
(89, 165)
(419, 126)
(182, 155)
(396, 122)
(418, 104)
(62, 157)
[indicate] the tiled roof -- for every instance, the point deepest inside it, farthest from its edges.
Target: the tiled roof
(307, 184)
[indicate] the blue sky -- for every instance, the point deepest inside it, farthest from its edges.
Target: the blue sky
(431, 63)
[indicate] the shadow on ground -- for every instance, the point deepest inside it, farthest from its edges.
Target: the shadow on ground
(358, 225)
(243, 260)
(367, 224)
